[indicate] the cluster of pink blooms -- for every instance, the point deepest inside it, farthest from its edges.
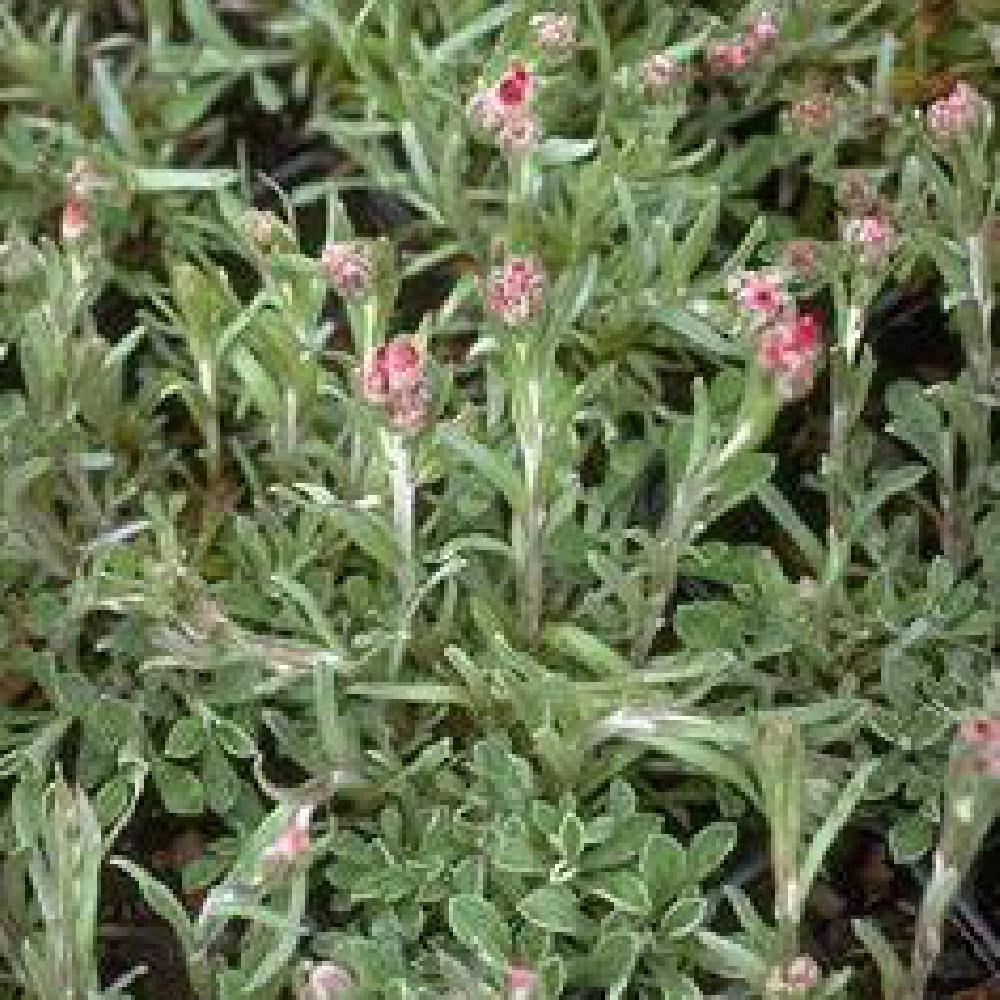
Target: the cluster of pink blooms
(521, 983)
(982, 737)
(957, 113)
(293, 842)
(555, 34)
(81, 183)
(787, 341)
(659, 73)
(349, 267)
(800, 257)
(799, 975)
(733, 56)
(504, 110)
(874, 234)
(393, 377)
(515, 290)
(326, 981)
(811, 116)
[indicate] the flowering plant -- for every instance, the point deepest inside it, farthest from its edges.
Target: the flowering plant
(499, 499)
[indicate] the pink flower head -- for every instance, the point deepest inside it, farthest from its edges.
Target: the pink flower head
(518, 133)
(802, 973)
(811, 116)
(764, 31)
(728, 57)
(293, 842)
(874, 234)
(799, 975)
(981, 731)
(800, 257)
(349, 267)
(763, 294)
(82, 180)
(393, 378)
(75, 220)
(555, 34)
(486, 110)
(517, 85)
(515, 291)
(788, 350)
(659, 72)
(326, 981)
(262, 227)
(520, 982)
(956, 113)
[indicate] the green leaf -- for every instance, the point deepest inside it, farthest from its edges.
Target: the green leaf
(159, 179)
(478, 925)
(182, 793)
(824, 837)
(162, 902)
(623, 890)
(488, 21)
(684, 917)
(891, 970)
(554, 908)
(495, 469)
(186, 738)
(612, 963)
(709, 847)
(663, 866)
(697, 332)
(586, 649)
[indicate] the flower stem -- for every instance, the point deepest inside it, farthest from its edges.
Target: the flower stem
(533, 515)
(403, 493)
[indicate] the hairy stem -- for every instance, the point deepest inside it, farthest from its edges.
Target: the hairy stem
(403, 493)
(533, 516)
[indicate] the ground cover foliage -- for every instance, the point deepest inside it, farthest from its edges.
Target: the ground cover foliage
(498, 500)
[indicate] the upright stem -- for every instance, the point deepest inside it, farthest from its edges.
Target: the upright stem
(533, 515)
(403, 493)
(668, 552)
(982, 292)
(842, 406)
(213, 432)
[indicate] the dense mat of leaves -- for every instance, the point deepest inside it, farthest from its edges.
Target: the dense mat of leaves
(493, 494)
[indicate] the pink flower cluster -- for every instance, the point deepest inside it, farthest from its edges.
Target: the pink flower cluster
(733, 56)
(555, 34)
(393, 377)
(875, 236)
(81, 182)
(811, 116)
(515, 290)
(799, 975)
(504, 110)
(349, 267)
(659, 73)
(955, 114)
(293, 842)
(787, 341)
(521, 983)
(982, 737)
(326, 981)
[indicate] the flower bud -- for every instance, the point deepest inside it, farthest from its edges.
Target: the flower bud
(659, 73)
(957, 113)
(293, 842)
(326, 981)
(788, 350)
(521, 982)
(349, 267)
(555, 34)
(75, 220)
(874, 235)
(515, 291)
(393, 378)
